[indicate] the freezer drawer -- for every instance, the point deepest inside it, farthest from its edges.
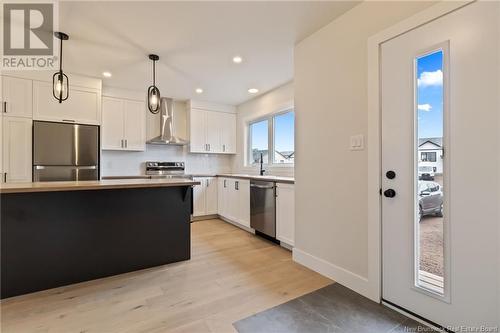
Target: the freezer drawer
(64, 173)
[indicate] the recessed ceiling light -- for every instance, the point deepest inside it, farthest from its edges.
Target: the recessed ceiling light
(237, 59)
(253, 90)
(199, 90)
(106, 74)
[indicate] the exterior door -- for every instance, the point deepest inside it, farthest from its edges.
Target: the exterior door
(440, 212)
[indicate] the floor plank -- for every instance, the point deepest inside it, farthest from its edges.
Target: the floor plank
(232, 275)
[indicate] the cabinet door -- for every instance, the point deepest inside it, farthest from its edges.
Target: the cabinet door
(197, 133)
(243, 204)
(17, 97)
(221, 196)
(214, 125)
(199, 202)
(285, 213)
(112, 123)
(211, 195)
(231, 199)
(228, 133)
(83, 105)
(17, 133)
(135, 125)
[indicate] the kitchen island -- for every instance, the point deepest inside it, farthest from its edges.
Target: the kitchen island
(58, 233)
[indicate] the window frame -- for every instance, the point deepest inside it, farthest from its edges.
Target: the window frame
(270, 139)
(430, 156)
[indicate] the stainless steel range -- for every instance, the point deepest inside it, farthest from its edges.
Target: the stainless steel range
(166, 170)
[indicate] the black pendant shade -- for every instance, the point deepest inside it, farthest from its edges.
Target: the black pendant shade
(60, 81)
(153, 91)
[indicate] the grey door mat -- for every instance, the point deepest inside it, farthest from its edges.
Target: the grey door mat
(333, 308)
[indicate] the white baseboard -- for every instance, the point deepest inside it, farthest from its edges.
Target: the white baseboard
(236, 224)
(346, 278)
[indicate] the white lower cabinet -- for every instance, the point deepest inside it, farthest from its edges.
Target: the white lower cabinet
(205, 196)
(234, 200)
(285, 213)
(16, 149)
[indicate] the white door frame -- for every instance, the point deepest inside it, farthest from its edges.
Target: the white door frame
(374, 135)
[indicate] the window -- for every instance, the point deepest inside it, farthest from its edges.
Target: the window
(274, 134)
(430, 199)
(259, 141)
(428, 156)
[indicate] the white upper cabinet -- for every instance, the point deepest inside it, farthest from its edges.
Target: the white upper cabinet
(213, 123)
(212, 128)
(83, 105)
(135, 125)
(285, 213)
(228, 133)
(123, 124)
(113, 119)
(17, 97)
(197, 131)
(16, 149)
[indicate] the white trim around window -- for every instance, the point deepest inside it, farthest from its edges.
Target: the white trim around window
(248, 159)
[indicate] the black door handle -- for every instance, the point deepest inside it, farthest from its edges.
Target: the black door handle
(389, 193)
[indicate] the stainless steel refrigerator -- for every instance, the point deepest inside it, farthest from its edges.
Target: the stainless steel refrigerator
(65, 151)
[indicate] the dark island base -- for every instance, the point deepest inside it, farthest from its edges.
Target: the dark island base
(52, 239)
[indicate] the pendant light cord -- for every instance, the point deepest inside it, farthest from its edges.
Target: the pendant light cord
(60, 57)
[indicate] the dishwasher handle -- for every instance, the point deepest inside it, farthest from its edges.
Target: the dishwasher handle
(262, 186)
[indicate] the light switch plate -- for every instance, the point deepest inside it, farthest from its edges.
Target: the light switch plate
(357, 142)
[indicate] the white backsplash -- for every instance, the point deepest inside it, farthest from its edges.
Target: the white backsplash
(127, 163)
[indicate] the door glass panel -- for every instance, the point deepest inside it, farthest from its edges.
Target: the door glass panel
(430, 191)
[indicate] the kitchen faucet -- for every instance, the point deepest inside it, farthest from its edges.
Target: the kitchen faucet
(261, 171)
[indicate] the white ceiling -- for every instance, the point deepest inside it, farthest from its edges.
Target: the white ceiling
(195, 41)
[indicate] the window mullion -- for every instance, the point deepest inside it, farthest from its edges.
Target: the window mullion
(270, 159)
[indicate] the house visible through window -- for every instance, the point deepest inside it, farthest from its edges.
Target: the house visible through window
(428, 156)
(274, 134)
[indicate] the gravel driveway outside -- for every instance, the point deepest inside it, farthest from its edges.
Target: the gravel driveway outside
(431, 245)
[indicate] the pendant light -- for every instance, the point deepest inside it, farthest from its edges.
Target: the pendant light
(60, 82)
(153, 91)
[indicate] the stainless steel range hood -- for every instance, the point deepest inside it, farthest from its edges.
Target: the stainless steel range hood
(167, 136)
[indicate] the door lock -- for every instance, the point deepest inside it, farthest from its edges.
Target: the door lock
(389, 193)
(390, 174)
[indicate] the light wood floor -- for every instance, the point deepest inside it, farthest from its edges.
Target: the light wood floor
(232, 275)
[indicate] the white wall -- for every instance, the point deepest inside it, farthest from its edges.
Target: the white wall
(121, 163)
(330, 106)
(271, 102)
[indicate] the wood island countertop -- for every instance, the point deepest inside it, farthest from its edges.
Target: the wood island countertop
(93, 185)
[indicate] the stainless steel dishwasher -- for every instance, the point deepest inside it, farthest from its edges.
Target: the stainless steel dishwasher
(263, 207)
